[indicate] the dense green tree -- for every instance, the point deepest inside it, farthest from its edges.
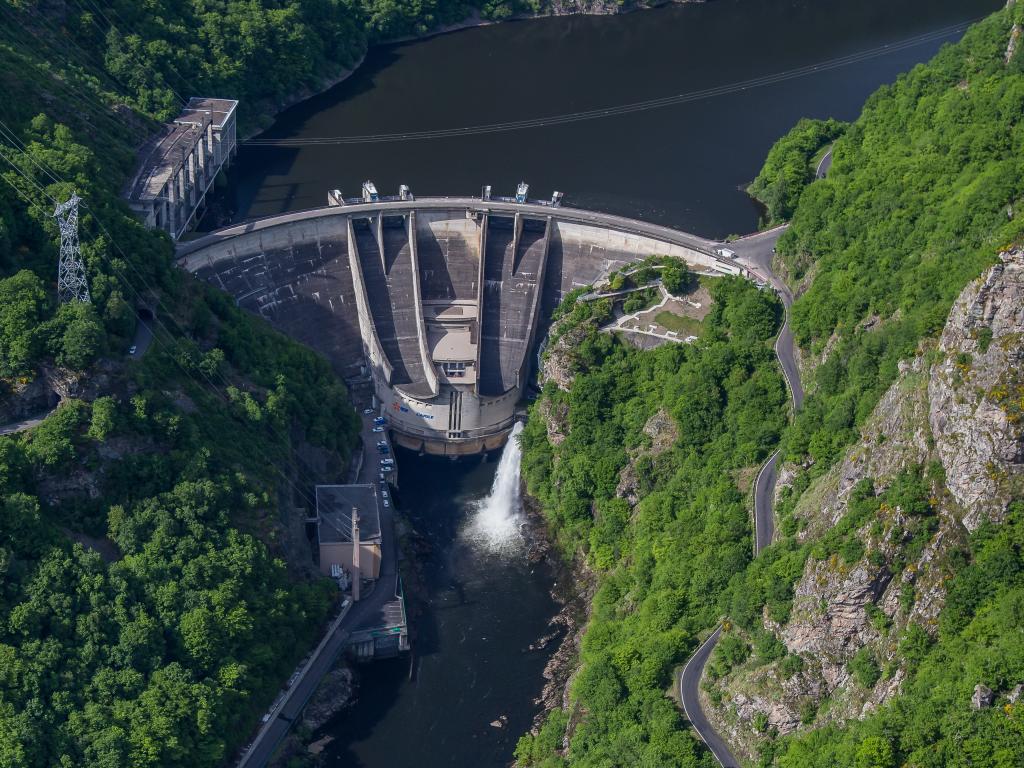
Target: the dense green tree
(21, 306)
(790, 166)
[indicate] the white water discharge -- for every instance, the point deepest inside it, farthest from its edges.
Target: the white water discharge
(496, 518)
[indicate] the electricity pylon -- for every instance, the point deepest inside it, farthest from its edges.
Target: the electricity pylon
(71, 284)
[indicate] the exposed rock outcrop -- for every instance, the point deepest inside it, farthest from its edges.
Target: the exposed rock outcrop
(978, 439)
(663, 434)
(958, 404)
(335, 692)
(559, 363)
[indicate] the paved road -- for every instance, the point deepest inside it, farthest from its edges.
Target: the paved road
(563, 213)
(689, 685)
(755, 253)
(143, 338)
(764, 493)
(824, 165)
(366, 611)
(21, 426)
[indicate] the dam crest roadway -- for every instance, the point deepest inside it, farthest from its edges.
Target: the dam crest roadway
(439, 299)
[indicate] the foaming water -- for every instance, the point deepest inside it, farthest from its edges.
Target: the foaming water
(495, 523)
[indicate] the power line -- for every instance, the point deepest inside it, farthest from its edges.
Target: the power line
(29, 201)
(10, 135)
(625, 109)
(61, 37)
(70, 91)
(127, 50)
(256, 443)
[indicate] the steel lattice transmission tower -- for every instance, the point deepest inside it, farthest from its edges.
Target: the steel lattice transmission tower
(71, 284)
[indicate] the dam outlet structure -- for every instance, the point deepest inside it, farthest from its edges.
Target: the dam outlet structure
(441, 301)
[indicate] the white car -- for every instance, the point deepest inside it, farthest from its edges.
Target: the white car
(385, 469)
(367, 411)
(378, 429)
(386, 504)
(132, 349)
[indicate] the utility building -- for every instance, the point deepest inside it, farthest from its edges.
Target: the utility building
(342, 543)
(178, 165)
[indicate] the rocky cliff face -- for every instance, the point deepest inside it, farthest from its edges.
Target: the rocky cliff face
(973, 390)
(957, 406)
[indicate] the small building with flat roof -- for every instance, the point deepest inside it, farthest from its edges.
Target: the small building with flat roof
(334, 507)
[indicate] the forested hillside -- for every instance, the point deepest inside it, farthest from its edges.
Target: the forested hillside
(673, 427)
(147, 613)
(895, 577)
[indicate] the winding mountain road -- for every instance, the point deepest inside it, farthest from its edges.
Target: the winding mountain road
(689, 685)
(755, 253)
(20, 426)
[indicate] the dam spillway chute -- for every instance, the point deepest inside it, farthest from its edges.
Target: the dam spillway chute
(441, 299)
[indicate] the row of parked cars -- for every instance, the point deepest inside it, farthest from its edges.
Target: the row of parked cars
(387, 463)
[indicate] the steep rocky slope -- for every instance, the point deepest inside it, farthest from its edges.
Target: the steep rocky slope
(942, 454)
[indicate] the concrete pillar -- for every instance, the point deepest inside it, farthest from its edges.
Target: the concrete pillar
(480, 299)
(421, 332)
(194, 191)
(175, 202)
(517, 231)
(201, 156)
(380, 242)
(356, 571)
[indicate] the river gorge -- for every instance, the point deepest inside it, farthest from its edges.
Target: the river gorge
(471, 687)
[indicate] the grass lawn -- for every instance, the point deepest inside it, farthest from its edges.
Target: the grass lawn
(684, 326)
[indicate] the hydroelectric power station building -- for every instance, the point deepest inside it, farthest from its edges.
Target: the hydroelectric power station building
(442, 299)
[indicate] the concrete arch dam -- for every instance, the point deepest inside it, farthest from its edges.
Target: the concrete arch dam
(442, 298)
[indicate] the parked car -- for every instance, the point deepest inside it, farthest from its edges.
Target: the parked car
(367, 411)
(387, 469)
(384, 492)
(378, 429)
(382, 475)
(387, 461)
(132, 349)
(386, 505)
(380, 420)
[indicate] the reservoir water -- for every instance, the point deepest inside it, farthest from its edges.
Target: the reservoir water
(483, 602)
(681, 165)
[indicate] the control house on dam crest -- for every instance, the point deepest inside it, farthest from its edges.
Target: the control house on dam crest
(442, 299)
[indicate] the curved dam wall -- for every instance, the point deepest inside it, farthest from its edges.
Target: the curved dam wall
(441, 298)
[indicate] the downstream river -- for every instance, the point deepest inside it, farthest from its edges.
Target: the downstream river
(682, 165)
(467, 693)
